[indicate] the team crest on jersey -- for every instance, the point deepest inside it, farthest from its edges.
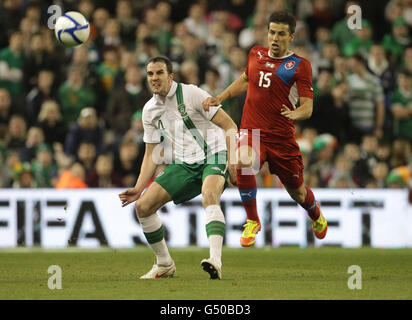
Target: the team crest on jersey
(182, 109)
(260, 55)
(289, 65)
(270, 65)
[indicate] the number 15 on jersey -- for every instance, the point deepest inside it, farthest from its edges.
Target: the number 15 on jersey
(264, 80)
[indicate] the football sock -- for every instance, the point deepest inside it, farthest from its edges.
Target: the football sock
(215, 230)
(246, 184)
(310, 205)
(154, 232)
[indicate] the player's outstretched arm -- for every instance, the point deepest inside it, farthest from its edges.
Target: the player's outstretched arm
(236, 88)
(147, 170)
(224, 121)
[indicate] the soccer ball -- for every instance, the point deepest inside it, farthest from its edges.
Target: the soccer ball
(72, 29)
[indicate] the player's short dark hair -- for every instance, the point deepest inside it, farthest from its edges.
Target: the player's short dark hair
(285, 18)
(165, 60)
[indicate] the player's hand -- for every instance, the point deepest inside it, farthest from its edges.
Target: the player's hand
(210, 102)
(232, 174)
(287, 113)
(129, 196)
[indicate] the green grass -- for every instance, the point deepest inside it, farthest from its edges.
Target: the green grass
(284, 273)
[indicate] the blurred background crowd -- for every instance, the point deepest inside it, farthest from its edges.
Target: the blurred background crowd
(71, 118)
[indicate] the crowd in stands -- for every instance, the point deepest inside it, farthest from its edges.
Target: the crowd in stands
(71, 117)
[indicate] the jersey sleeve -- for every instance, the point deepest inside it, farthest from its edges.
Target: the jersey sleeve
(304, 80)
(197, 97)
(151, 134)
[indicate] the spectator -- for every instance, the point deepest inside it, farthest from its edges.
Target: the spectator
(5, 106)
(196, 21)
(328, 54)
(37, 59)
(321, 16)
(43, 168)
(128, 162)
(74, 95)
(135, 133)
(127, 60)
(380, 172)
(86, 156)
(17, 132)
(362, 169)
(212, 81)
(397, 40)
(395, 179)
(72, 178)
(247, 37)
(189, 72)
(361, 43)
(24, 177)
(401, 151)
(323, 148)
(35, 137)
(340, 68)
(379, 66)
(365, 100)
(383, 152)
(11, 64)
(42, 92)
(127, 21)
(341, 34)
(111, 34)
(193, 51)
(108, 69)
(103, 175)
(88, 129)
(125, 101)
(81, 59)
(51, 121)
(401, 106)
(329, 101)
(157, 31)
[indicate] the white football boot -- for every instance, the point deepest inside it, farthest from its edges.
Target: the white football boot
(212, 267)
(160, 272)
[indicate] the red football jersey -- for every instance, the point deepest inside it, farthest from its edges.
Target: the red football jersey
(273, 82)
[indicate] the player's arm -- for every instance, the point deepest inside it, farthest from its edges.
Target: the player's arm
(147, 171)
(305, 92)
(235, 89)
(224, 121)
(302, 113)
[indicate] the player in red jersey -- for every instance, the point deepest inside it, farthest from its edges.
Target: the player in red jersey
(275, 79)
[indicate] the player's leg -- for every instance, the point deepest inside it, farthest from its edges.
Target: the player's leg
(305, 197)
(212, 189)
(247, 160)
(146, 207)
(285, 160)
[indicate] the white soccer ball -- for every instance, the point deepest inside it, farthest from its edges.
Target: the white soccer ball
(72, 29)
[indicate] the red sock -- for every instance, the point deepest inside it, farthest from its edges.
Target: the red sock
(310, 205)
(247, 189)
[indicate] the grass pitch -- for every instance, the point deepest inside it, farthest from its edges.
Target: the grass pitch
(248, 274)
